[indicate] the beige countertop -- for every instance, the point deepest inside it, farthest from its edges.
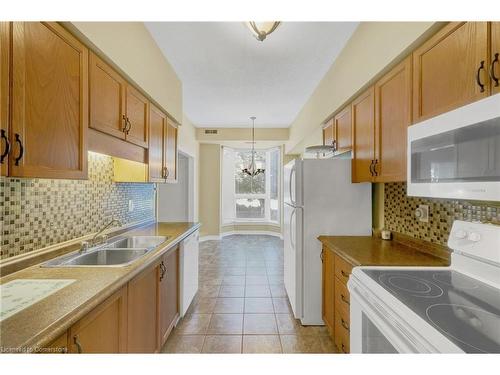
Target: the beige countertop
(371, 251)
(41, 323)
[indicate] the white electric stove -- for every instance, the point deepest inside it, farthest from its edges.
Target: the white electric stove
(452, 309)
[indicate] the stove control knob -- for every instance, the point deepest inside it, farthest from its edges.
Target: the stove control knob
(474, 237)
(475, 322)
(460, 234)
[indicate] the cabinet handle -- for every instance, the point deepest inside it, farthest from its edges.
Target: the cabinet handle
(478, 76)
(7, 146)
(342, 297)
(492, 70)
(375, 173)
(21, 149)
(344, 274)
(321, 256)
(343, 348)
(127, 130)
(344, 324)
(78, 344)
(167, 172)
(163, 270)
(371, 168)
(124, 118)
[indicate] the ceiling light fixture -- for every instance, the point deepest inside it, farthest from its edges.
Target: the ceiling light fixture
(252, 169)
(261, 30)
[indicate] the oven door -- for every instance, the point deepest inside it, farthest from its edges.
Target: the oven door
(367, 332)
(457, 154)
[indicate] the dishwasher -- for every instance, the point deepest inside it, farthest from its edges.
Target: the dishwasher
(189, 271)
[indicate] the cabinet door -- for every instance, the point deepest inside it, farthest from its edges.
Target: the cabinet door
(107, 98)
(343, 129)
(450, 69)
(495, 57)
(4, 97)
(49, 102)
(363, 136)
(328, 290)
(104, 329)
(142, 312)
(328, 133)
(392, 118)
(169, 294)
(171, 151)
(157, 127)
(137, 117)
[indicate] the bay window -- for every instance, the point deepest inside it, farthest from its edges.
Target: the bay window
(246, 198)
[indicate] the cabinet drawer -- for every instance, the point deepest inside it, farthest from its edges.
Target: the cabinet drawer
(342, 300)
(341, 332)
(342, 269)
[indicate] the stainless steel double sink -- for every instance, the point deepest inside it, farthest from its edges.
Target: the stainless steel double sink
(120, 251)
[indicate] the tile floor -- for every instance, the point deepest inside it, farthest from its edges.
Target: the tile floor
(241, 306)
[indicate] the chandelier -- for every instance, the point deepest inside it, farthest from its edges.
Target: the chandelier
(261, 30)
(252, 169)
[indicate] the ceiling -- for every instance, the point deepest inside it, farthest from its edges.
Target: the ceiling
(228, 75)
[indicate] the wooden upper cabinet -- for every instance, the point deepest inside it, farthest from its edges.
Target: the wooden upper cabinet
(49, 102)
(104, 329)
(142, 312)
(107, 98)
(137, 108)
(363, 136)
(343, 129)
(4, 97)
(494, 67)
(168, 294)
(171, 151)
(450, 69)
(157, 130)
(328, 307)
(328, 133)
(392, 118)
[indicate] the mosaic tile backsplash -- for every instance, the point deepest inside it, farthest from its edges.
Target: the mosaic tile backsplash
(36, 213)
(399, 214)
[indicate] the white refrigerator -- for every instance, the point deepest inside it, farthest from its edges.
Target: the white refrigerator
(319, 199)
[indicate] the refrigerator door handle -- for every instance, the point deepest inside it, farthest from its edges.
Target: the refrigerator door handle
(292, 172)
(291, 228)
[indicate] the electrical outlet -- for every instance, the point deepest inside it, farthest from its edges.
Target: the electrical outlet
(422, 213)
(130, 205)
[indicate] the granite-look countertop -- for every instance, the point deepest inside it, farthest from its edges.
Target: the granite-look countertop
(372, 251)
(38, 325)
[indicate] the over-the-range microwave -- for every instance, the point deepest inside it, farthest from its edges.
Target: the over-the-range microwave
(457, 154)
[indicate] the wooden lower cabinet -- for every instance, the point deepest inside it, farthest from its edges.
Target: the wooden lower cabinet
(168, 312)
(58, 346)
(104, 329)
(336, 299)
(328, 305)
(328, 290)
(142, 312)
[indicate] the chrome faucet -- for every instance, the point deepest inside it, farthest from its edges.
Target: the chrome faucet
(96, 236)
(95, 239)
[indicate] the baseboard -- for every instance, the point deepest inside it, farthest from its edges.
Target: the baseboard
(249, 232)
(209, 238)
(253, 232)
